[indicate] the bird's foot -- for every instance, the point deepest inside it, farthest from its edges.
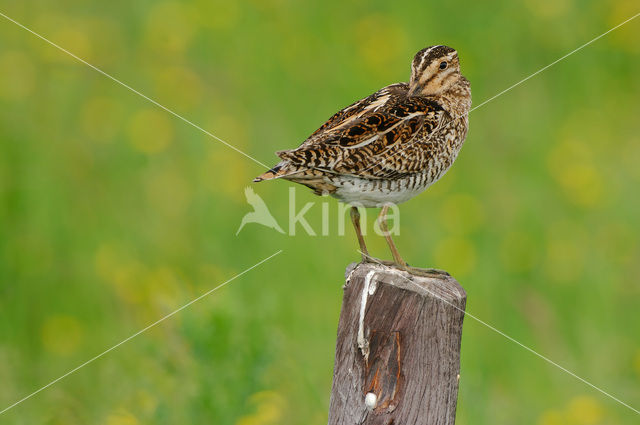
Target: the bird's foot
(366, 258)
(435, 273)
(416, 271)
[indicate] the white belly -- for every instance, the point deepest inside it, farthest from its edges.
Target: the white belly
(375, 193)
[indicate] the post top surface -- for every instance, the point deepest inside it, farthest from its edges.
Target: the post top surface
(444, 287)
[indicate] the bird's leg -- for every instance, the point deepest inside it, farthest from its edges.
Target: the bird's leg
(355, 219)
(382, 221)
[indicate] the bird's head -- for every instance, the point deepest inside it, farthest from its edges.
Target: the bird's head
(434, 70)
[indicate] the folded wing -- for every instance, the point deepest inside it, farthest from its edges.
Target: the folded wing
(373, 138)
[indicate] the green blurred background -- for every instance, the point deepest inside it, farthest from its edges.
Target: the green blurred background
(113, 213)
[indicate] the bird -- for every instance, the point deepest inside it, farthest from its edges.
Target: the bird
(389, 146)
(260, 213)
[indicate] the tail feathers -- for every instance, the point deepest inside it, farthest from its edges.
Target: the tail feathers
(283, 154)
(269, 175)
(282, 169)
(278, 171)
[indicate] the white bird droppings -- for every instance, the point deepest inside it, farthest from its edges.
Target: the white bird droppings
(363, 344)
(372, 287)
(370, 400)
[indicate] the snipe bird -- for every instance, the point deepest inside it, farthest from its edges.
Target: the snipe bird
(388, 147)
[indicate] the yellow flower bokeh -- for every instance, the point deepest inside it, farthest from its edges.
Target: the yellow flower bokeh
(101, 118)
(565, 260)
(75, 41)
(146, 401)
(151, 131)
(584, 410)
(573, 166)
(17, 75)
(582, 184)
(121, 417)
(636, 362)
(153, 291)
(552, 417)
(120, 272)
(580, 410)
(457, 255)
(224, 170)
(170, 27)
(219, 15)
(269, 409)
(518, 251)
(549, 9)
(379, 42)
(627, 37)
(167, 191)
(62, 335)
(179, 87)
(461, 213)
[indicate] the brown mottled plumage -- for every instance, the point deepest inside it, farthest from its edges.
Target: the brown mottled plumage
(389, 146)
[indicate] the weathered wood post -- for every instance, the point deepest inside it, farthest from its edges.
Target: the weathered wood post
(398, 349)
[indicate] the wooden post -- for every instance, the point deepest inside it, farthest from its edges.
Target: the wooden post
(398, 349)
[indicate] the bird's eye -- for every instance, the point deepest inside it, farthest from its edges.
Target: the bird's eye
(443, 65)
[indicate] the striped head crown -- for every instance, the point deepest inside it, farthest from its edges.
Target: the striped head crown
(434, 70)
